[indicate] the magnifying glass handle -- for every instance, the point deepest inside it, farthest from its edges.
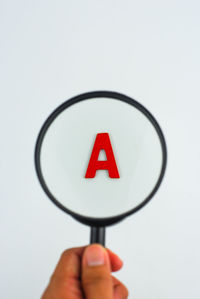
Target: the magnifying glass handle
(97, 235)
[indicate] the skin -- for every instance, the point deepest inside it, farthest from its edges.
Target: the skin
(73, 278)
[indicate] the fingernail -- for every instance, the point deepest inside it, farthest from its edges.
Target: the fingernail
(95, 255)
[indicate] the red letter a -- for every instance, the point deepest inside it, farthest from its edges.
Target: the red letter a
(102, 142)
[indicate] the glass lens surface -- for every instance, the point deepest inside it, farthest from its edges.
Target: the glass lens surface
(67, 147)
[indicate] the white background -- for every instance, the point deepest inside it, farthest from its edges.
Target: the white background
(53, 50)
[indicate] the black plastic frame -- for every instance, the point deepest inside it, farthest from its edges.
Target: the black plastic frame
(98, 222)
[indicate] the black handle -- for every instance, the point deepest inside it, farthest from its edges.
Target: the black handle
(97, 235)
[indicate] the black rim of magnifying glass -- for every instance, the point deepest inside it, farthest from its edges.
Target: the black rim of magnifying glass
(86, 96)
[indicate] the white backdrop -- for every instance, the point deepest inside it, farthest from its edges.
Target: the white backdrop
(53, 50)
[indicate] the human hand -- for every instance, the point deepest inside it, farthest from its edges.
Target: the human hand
(85, 273)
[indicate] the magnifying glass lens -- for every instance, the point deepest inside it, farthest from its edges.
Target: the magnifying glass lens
(100, 157)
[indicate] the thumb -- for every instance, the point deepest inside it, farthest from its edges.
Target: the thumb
(95, 277)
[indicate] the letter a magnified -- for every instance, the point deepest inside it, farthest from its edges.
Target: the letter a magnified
(102, 142)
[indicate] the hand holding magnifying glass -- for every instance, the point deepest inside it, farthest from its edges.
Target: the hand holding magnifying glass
(100, 157)
(85, 273)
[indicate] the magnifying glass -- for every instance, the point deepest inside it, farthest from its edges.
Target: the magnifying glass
(100, 157)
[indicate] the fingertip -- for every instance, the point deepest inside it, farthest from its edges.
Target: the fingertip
(95, 254)
(120, 291)
(116, 261)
